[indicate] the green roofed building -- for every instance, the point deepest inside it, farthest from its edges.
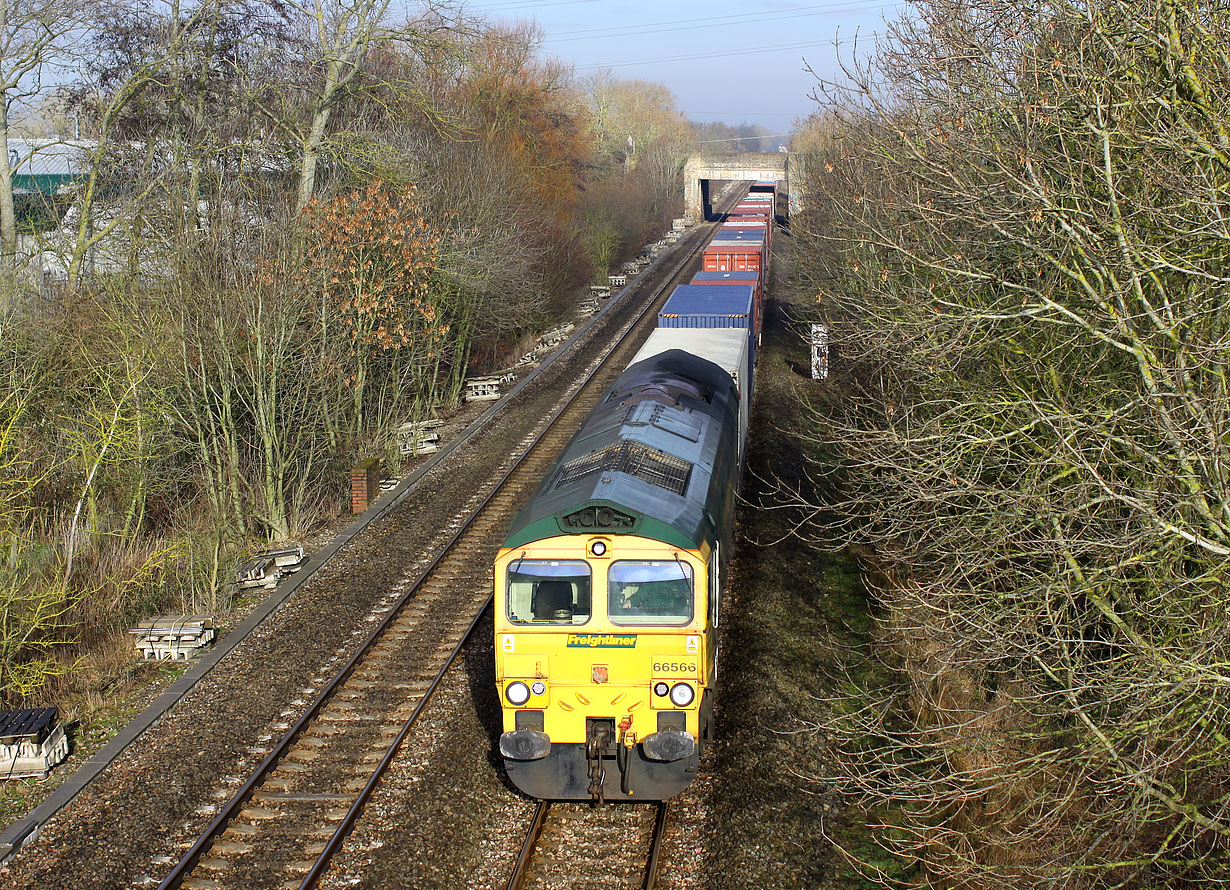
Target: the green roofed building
(48, 167)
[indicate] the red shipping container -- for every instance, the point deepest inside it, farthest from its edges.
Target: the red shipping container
(734, 258)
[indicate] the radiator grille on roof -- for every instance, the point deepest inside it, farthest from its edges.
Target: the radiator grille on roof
(649, 464)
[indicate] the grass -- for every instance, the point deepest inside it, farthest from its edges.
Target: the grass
(98, 718)
(796, 646)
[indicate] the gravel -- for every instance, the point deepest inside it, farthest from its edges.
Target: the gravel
(144, 809)
(445, 815)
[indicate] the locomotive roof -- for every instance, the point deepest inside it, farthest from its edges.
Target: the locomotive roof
(657, 457)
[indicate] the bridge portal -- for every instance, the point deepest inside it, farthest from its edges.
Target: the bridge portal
(700, 169)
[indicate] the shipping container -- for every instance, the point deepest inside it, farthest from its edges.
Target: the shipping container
(707, 306)
(739, 236)
(753, 215)
(711, 306)
(739, 233)
(744, 278)
(735, 219)
(736, 257)
(728, 348)
(760, 230)
(739, 278)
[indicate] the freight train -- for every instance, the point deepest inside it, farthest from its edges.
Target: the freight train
(608, 587)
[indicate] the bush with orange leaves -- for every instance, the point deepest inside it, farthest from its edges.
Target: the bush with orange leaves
(372, 256)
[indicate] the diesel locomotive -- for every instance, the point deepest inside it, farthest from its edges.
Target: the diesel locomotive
(608, 587)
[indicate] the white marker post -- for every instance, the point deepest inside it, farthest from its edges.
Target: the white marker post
(819, 352)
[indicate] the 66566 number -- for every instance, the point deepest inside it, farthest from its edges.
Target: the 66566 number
(674, 667)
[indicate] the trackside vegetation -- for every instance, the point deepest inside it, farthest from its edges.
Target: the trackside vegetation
(1017, 231)
(284, 236)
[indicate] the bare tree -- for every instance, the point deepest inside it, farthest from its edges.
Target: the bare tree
(1019, 238)
(35, 37)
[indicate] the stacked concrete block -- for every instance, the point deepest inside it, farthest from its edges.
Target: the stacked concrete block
(32, 741)
(173, 637)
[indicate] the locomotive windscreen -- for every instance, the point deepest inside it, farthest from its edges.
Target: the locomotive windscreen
(549, 591)
(643, 592)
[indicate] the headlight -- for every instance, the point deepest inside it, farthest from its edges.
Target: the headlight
(660, 688)
(539, 687)
(681, 695)
(517, 693)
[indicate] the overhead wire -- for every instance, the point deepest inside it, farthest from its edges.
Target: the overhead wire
(521, 4)
(781, 47)
(746, 138)
(715, 21)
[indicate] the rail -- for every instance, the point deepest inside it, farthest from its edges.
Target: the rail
(192, 858)
(523, 873)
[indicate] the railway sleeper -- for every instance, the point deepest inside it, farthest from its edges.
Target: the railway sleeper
(230, 848)
(311, 738)
(301, 756)
(336, 723)
(253, 815)
(195, 883)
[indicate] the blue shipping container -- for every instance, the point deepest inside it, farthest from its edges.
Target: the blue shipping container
(749, 277)
(707, 306)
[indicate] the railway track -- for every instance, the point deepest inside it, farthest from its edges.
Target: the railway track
(282, 825)
(572, 845)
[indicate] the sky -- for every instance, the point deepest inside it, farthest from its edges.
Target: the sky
(724, 60)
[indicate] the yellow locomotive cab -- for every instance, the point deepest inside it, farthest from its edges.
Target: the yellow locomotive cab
(604, 657)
